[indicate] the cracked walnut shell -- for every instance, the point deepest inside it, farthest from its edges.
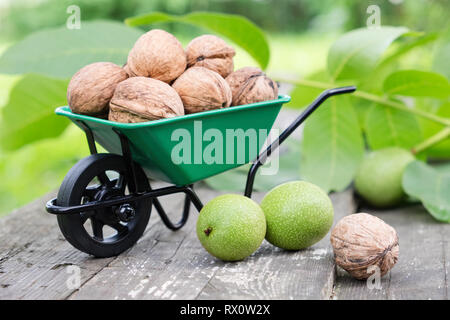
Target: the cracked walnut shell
(202, 89)
(157, 54)
(92, 87)
(360, 241)
(211, 52)
(140, 99)
(251, 85)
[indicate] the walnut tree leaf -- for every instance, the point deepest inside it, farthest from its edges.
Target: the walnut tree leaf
(356, 53)
(29, 114)
(431, 186)
(60, 52)
(332, 145)
(238, 29)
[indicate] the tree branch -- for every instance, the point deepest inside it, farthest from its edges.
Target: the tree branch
(370, 97)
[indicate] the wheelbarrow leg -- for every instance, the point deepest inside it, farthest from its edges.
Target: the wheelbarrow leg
(261, 159)
(89, 136)
(190, 197)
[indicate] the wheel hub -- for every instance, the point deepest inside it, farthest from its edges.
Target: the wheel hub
(125, 212)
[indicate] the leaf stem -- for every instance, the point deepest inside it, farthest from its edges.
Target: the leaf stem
(370, 97)
(400, 106)
(431, 141)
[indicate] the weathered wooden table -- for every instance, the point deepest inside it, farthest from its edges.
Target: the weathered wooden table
(37, 263)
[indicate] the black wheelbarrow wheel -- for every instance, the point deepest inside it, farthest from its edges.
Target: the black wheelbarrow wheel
(108, 231)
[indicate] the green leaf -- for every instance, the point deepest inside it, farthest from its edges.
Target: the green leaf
(430, 128)
(406, 47)
(302, 96)
(443, 168)
(441, 61)
(30, 172)
(390, 62)
(238, 29)
(234, 180)
(416, 83)
(61, 52)
(332, 145)
(357, 52)
(362, 108)
(29, 114)
(387, 127)
(430, 186)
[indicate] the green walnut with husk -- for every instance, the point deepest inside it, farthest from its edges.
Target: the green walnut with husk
(231, 227)
(298, 215)
(379, 178)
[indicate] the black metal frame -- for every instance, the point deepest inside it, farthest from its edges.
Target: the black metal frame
(288, 131)
(190, 195)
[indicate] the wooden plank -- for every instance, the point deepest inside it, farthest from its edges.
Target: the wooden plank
(421, 273)
(273, 273)
(163, 265)
(35, 255)
(172, 265)
(446, 255)
(168, 265)
(422, 269)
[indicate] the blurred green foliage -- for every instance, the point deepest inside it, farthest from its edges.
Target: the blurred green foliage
(299, 32)
(38, 168)
(279, 16)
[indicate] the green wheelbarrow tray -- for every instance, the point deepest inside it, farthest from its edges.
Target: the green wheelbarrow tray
(154, 144)
(112, 189)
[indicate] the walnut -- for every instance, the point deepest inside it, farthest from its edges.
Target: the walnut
(360, 241)
(127, 70)
(158, 55)
(202, 89)
(92, 87)
(211, 52)
(140, 99)
(250, 85)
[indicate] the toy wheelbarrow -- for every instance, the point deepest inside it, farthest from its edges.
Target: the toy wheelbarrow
(112, 189)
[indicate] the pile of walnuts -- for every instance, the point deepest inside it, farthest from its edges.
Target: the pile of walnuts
(162, 80)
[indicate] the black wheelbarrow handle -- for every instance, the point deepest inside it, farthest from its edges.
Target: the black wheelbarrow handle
(262, 158)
